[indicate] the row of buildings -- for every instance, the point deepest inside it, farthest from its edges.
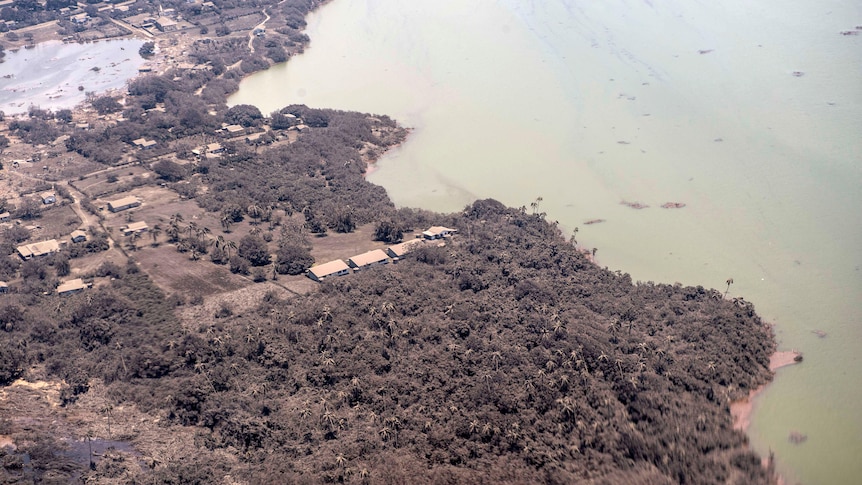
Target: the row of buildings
(376, 257)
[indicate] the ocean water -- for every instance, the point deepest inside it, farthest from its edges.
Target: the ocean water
(48, 75)
(749, 114)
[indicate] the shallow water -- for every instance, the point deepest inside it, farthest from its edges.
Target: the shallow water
(49, 74)
(587, 104)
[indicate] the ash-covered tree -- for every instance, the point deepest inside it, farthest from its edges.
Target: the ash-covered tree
(243, 114)
(344, 221)
(170, 171)
(106, 104)
(292, 259)
(254, 249)
(388, 231)
(147, 50)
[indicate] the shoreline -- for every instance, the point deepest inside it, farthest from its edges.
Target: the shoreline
(742, 409)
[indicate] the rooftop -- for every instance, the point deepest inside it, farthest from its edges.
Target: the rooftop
(371, 257)
(329, 268)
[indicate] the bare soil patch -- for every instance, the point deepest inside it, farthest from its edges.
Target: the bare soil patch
(343, 246)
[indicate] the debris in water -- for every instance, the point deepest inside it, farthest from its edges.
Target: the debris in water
(797, 438)
(634, 205)
(672, 205)
(594, 221)
(797, 73)
(819, 333)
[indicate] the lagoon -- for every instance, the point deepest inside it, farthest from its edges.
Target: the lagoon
(748, 114)
(48, 75)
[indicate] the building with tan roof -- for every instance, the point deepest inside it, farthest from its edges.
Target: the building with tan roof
(123, 204)
(333, 268)
(399, 250)
(371, 258)
(438, 232)
(71, 286)
(34, 250)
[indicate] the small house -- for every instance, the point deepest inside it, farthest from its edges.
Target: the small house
(234, 129)
(333, 268)
(80, 19)
(4, 287)
(144, 144)
(123, 204)
(5, 216)
(78, 236)
(399, 250)
(71, 287)
(253, 138)
(34, 250)
(48, 198)
(166, 24)
(134, 227)
(366, 260)
(438, 232)
(214, 148)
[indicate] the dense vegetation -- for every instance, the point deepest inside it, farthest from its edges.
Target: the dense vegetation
(505, 355)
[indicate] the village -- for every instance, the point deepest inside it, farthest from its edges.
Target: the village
(62, 207)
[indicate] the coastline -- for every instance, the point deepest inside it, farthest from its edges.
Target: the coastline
(742, 409)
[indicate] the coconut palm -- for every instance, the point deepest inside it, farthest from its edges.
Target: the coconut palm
(155, 232)
(729, 282)
(228, 246)
(711, 366)
(254, 211)
(496, 356)
(567, 405)
(225, 222)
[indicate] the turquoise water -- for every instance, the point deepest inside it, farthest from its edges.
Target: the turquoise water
(48, 75)
(749, 114)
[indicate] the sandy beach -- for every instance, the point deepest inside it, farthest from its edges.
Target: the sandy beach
(741, 410)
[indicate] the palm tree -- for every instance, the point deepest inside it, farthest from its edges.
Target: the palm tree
(567, 405)
(225, 222)
(535, 204)
(155, 232)
(173, 230)
(496, 356)
(202, 232)
(192, 228)
(643, 347)
(228, 246)
(133, 241)
(575, 236)
(729, 282)
(254, 211)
